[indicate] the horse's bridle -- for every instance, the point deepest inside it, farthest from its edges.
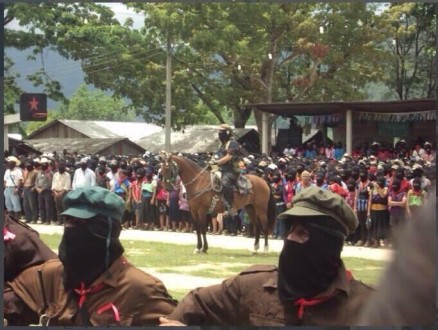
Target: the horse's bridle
(172, 164)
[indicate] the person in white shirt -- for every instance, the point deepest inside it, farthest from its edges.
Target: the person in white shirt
(83, 176)
(61, 185)
(418, 152)
(13, 179)
(113, 173)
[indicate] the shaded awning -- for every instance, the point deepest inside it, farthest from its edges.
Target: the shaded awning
(329, 108)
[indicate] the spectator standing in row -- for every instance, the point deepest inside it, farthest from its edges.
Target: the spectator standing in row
(289, 187)
(184, 210)
(418, 152)
(13, 181)
(30, 196)
(148, 190)
(102, 179)
(83, 176)
(418, 172)
(397, 206)
(430, 154)
(351, 199)
(278, 193)
(113, 173)
(416, 198)
(161, 205)
(61, 185)
(361, 208)
(304, 182)
(378, 212)
(136, 198)
(43, 185)
(122, 189)
(174, 216)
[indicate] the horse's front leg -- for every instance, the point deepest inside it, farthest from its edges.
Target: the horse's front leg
(257, 239)
(203, 224)
(198, 236)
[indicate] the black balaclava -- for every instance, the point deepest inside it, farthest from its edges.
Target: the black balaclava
(363, 176)
(416, 184)
(61, 168)
(381, 181)
(276, 179)
(86, 250)
(123, 164)
(306, 269)
(355, 174)
(319, 180)
(400, 174)
(396, 184)
(101, 170)
(418, 173)
(351, 185)
(223, 135)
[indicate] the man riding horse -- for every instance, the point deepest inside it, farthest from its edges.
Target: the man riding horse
(228, 162)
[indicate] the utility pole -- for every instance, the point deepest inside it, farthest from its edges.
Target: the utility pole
(167, 127)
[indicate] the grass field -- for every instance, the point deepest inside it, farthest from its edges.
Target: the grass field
(218, 263)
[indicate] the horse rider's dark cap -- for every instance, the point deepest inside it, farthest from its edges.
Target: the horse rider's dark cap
(225, 127)
(314, 201)
(86, 203)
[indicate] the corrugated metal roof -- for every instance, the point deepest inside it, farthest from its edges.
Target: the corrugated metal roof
(192, 139)
(112, 129)
(326, 108)
(82, 146)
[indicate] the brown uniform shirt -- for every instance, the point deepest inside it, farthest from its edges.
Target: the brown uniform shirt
(135, 297)
(251, 298)
(25, 250)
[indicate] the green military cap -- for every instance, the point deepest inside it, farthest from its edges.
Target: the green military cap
(88, 202)
(314, 201)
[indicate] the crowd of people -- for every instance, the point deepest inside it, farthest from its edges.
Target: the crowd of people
(384, 186)
(322, 203)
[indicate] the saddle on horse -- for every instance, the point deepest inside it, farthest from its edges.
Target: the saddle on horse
(243, 186)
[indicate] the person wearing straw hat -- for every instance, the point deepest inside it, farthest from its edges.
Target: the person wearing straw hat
(13, 180)
(92, 283)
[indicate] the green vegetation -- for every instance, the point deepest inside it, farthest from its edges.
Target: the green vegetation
(218, 263)
(223, 60)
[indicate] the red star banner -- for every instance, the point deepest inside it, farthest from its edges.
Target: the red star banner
(33, 107)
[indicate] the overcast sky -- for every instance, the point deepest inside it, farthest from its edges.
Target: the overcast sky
(122, 13)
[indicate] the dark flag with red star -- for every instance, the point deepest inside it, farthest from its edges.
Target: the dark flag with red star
(33, 107)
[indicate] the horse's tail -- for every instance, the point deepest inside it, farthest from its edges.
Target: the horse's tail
(271, 210)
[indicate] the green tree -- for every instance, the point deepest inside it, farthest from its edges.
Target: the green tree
(47, 26)
(410, 30)
(95, 105)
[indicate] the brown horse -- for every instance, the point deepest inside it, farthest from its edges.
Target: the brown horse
(203, 199)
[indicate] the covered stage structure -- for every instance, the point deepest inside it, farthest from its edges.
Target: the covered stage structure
(362, 120)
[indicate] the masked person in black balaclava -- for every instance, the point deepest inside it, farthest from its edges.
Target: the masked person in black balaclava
(310, 286)
(228, 160)
(311, 257)
(92, 283)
